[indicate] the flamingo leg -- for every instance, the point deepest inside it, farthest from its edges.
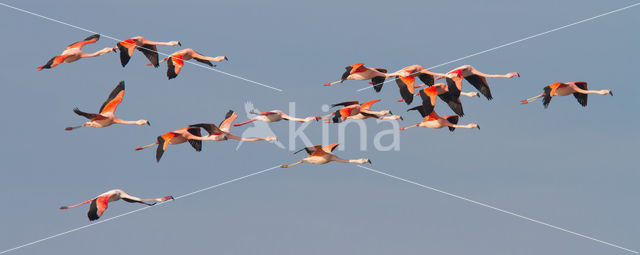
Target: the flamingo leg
(67, 207)
(72, 128)
(246, 122)
(290, 165)
(529, 100)
(146, 146)
(332, 83)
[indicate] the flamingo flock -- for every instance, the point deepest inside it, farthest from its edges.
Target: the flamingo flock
(429, 92)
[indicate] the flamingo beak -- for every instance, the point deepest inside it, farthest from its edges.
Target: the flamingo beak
(149, 123)
(478, 127)
(369, 161)
(610, 92)
(226, 58)
(401, 118)
(390, 113)
(179, 43)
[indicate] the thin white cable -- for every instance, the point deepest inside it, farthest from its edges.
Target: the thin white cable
(136, 210)
(118, 40)
(497, 209)
(521, 40)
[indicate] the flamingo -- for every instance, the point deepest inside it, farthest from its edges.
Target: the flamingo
(323, 154)
(148, 48)
(222, 133)
(74, 52)
(433, 120)
(106, 116)
(100, 203)
(177, 60)
(577, 88)
(274, 116)
(185, 134)
(443, 91)
(476, 78)
(360, 72)
(354, 108)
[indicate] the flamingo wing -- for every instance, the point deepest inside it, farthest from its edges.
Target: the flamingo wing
(88, 40)
(196, 144)
(113, 100)
(582, 98)
(347, 103)
(406, 86)
(481, 84)
(204, 61)
(428, 96)
(310, 150)
(547, 96)
(453, 119)
(330, 147)
(126, 48)
(151, 52)
(377, 82)
(426, 79)
(454, 103)
(174, 65)
(453, 88)
(420, 109)
(211, 128)
(163, 142)
(228, 119)
(97, 207)
(367, 105)
(85, 114)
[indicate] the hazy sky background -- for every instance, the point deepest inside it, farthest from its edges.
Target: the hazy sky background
(569, 166)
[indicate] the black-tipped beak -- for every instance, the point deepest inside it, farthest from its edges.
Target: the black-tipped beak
(478, 127)
(401, 118)
(149, 123)
(179, 43)
(369, 161)
(226, 58)
(610, 92)
(390, 113)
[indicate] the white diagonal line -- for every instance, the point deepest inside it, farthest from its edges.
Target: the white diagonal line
(136, 210)
(498, 209)
(118, 40)
(521, 40)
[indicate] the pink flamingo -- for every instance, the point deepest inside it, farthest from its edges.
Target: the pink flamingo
(320, 155)
(222, 133)
(352, 109)
(360, 72)
(74, 52)
(101, 202)
(577, 88)
(432, 120)
(177, 61)
(442, 90)
(274, 116)
(106, 116)
(185, 134)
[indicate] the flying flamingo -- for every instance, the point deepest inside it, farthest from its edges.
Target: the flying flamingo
(222, 133)
(361, 112)
(274, 116)
(443, 91)
(148, 48)
(101, 202)
(185, 134)
(177, 60)
(432, 120)
(323, 154)
(360, 72)
(74, 52)
(106, 116)
(577, 88)
(353, 108)
(476, 78)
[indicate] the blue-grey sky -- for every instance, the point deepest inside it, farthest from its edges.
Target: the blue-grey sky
(569, 166)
